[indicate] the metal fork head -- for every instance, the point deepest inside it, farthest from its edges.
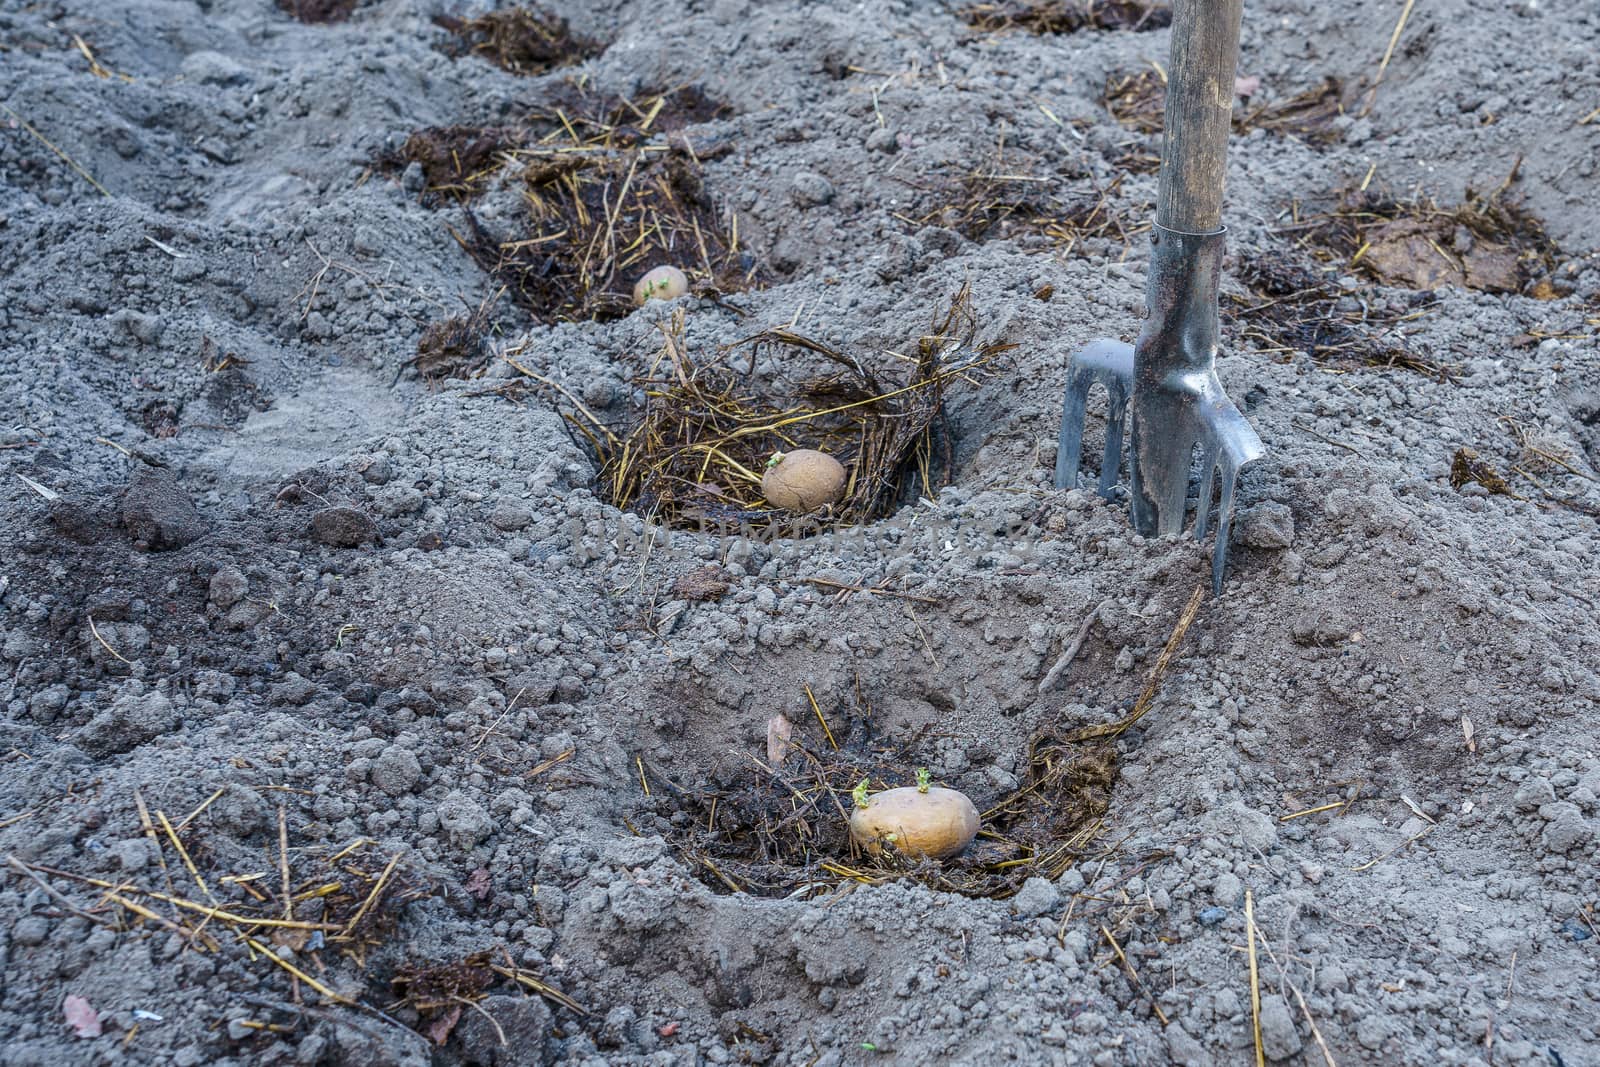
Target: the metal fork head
(1165, 390)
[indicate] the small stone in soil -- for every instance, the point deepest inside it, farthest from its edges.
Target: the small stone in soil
(342, 527)
(157, 512)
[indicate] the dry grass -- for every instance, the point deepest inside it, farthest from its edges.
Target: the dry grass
(1066, 16)
(693, 455)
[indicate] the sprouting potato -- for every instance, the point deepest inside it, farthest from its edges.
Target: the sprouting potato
(803, 480)
(660, 283)
(922, 821)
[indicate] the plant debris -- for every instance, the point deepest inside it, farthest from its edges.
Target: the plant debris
(457, 162)
(520, 40)
(318, 11)
(594, 224)
(455, 347)
(1540, 451)
(307, 901)
(1294, 307)
(1001, 201)
(1138, 99)
(437, 992)
(1066, 16)
(1467, 468)
(1488, 242)
(694, 453)
(609, 190)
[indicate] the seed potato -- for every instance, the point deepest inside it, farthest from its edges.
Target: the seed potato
(937, 823)
(660, 283)
(803, 480)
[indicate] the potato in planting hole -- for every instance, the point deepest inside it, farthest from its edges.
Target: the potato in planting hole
(918, 820)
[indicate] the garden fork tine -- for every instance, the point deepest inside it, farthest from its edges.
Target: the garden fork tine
(1166, 384)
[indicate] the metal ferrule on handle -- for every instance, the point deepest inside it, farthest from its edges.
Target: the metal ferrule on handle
(1176, 395)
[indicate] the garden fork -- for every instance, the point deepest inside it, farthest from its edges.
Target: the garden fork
(1165, 387)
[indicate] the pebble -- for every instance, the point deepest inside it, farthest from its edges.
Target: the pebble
(463, 820)
(342, 527)
(1266, 525)
(882, 139)
(132, 853)
(509, 517)
(1227, 890)
(157, 512)
(1533, 793)
(228, 587)
(810, 189)
(213, 68)
(30, 930)
(1258, 830)
(396, 771)
(1566, 829)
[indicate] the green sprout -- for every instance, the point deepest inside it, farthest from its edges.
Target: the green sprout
(859, 794)
(924, 779)
(776, 458)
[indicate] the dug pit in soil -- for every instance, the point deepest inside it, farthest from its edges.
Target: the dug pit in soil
(780, 827)
(693, 455)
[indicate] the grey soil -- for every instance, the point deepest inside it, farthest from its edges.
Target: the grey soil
(280, 568)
